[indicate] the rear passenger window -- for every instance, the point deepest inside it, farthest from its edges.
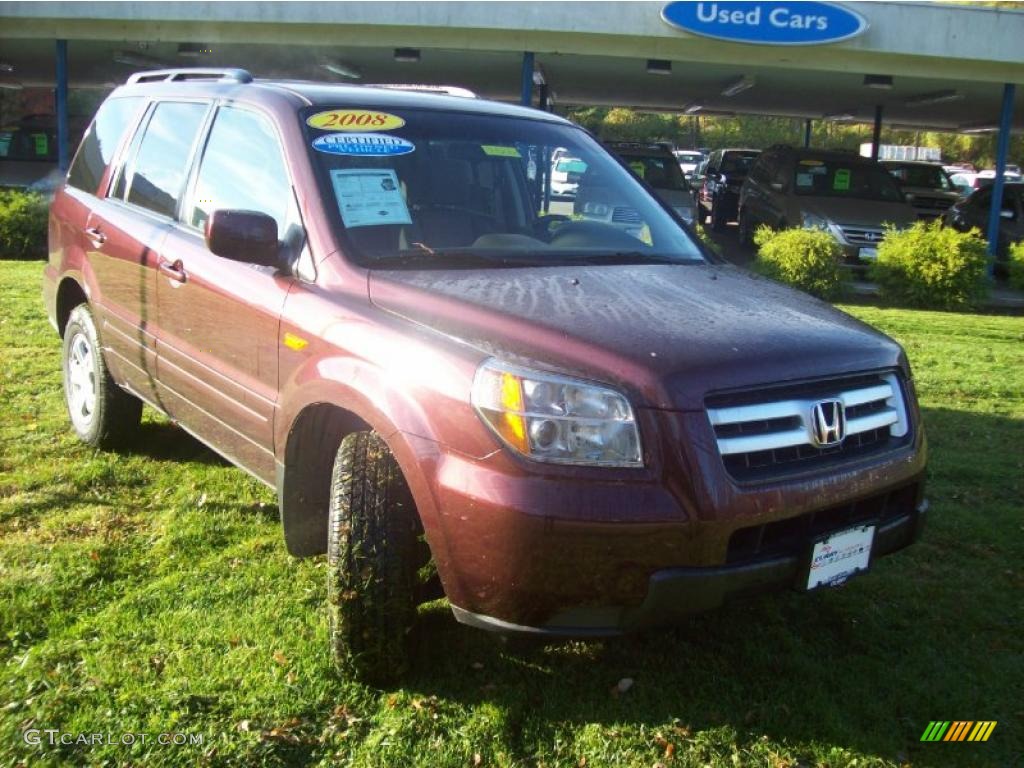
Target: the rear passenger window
(98, 146)
(242, 169)
(155, 176)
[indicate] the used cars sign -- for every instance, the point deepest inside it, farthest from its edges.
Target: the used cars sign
(766, 23)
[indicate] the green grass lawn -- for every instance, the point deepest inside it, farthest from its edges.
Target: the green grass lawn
(149, 592)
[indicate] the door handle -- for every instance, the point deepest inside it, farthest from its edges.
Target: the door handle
(96, 236)
(173, 271)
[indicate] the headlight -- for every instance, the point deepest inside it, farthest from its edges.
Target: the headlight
(686, 214)
(555, 418)
(813, 221)
(595, 209)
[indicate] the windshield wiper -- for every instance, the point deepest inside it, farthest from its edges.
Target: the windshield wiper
(453, 259)
(619, 257)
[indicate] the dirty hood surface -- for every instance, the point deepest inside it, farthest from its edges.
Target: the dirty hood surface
(665, 334)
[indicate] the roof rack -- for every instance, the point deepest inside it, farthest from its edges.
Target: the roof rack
(448, 90)
(191, 73)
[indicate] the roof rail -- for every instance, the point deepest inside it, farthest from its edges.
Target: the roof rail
(447, 90)
(191, 73)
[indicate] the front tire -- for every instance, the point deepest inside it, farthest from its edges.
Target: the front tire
(102, 414)
(371, 561)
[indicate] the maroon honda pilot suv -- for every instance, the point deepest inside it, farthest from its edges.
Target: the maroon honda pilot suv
(368, 298)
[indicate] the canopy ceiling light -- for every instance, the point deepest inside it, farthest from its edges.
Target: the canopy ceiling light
(411, 55)
(10, 85)
(739, 85)
(693, 108)
(977, 128)
(5, 67)
(839, 117)
(882, 82)
(659, 67)
(341, 69)
(133, 59)
(935, 97)
(194, 50)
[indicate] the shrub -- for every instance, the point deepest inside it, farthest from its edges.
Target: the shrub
(23, 221)
(929, 265)
(808, 259)
(1015, 266)
(706, 240)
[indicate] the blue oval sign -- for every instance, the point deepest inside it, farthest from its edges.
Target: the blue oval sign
(364, 144)
(766, 23)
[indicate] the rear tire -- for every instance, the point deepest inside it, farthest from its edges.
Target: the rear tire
(371, 561)
(717, 217)
(103, 415)
(743, 226)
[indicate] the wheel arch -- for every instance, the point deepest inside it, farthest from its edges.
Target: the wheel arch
(316, 425)
(70, 294)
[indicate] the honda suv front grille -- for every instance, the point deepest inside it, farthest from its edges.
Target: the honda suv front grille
(862, 236)
(784, 430)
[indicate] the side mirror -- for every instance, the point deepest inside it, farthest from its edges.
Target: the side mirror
(243, 236)
(778, 186)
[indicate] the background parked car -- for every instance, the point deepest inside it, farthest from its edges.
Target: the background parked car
(973, 212)
(723, 176)
(688, 160)
(968, 182)
(28, 154)
(565, 173)
(926, 186)
(657, 165)
(849, 196)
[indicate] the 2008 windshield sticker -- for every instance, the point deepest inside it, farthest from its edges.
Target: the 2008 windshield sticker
(354, 120)
(362, 144)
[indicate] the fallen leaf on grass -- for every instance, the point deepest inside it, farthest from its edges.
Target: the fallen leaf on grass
(622, 686)
(280, 658)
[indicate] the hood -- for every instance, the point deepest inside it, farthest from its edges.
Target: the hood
(853, 212)
(664, 334)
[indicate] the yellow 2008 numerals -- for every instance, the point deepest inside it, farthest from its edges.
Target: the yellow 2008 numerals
(354, 120)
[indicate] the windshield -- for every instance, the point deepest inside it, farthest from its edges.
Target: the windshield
(28, 144)
(851, 178)
(433, 189)
(928, 176)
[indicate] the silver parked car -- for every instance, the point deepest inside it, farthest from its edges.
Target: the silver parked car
(851, 197)
(926, 185)
(655, 164)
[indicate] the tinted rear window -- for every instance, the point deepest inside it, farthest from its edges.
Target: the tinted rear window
(101, 141)
(737, 162)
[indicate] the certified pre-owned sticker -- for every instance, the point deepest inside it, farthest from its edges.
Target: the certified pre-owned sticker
(363, 144)
(354, 120)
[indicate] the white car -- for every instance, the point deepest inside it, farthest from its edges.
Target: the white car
(688, 160)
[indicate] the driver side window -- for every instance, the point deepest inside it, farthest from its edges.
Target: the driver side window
(242, 168)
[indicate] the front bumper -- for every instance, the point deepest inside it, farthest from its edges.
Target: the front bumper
(675, 593)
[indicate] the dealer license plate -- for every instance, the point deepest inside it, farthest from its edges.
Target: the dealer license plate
(836, 558)
(869, 253)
